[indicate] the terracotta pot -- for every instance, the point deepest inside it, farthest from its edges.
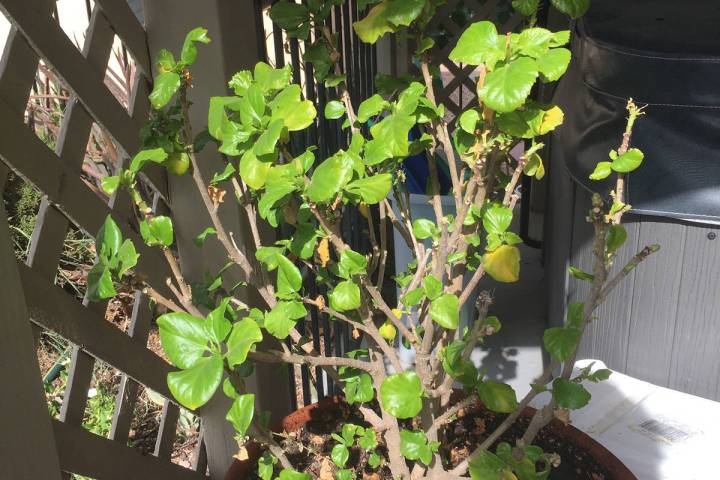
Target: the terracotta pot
(618, 471)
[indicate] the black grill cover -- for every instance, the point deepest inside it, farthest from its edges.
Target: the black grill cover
(665, 54)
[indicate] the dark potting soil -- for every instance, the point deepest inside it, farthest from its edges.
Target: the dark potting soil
(308, 449)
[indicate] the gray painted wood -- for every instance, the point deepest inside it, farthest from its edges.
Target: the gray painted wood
(695, 365)
(91, 455)
(26, 430)
(655, 302)
(168, 427)
(128, 28)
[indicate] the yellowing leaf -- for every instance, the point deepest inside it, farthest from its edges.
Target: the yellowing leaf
(503, 264)
(552, 118)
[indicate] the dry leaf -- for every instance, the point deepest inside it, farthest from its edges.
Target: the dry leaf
(242, 454)
(217, 195)
(355, 333)
(326, 470)
(323, 251)
(563, 415)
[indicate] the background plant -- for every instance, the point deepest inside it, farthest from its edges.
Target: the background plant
(211, 335)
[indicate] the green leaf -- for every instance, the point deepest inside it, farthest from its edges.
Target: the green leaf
(599, 375)
(432, 286)
(100, 284)
(351, 263)
(628, 161)
(368, 440)
(253, 171)
(553, 64)
(289, 15)
(127, 257)
(533, 42)
(157, 231)
(334, 109)
(333, 80)
(240, 82)
(468, 120)
(498, 397)
(372, 189)
(199, 240)
(183, 338)
(165, 60)
(464, 371)
(569, 395)
(266, 466)
(572, 8)
(414, 446)
(108, 239)
(188, 54)
(318, 55)
(445, 311)
(358, 385)
(289, 279)
(244, 335)
(561, 342)
(241, 413)
(344, 474)
(224, 175)
(265, 145)
(288, 474)
(217, 326)
(156, 155)
(329, 177)
(534, 167)
(479, 44)
(345, 296)
(401, 395)
(425, 44)
(409, 98)
(488, 466)
(194, 386)
(560, 38)
(110, 184)
(580, 274)
(575, 314)
(526, 7)
(423, 228)
(371, 107)
(602, 170)
(269, 79)
(507, 88)
(393, 131)
(376, 151)
(164, 87)
(340, 455)
(616, 236)
(497, 219)
(282, 318)
(374, 25)
(295, 113)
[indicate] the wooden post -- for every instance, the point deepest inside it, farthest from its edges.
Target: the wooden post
(232, 29)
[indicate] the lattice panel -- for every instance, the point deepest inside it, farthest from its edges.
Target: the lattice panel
(458, 88)
(69, 201)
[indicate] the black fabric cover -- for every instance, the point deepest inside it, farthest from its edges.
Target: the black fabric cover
(663, 54)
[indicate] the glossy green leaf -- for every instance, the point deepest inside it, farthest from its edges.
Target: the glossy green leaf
(423, 228)
(188, 54)
(351, 263)
(628, 161)
(265, 466)
(414, 446)
(100, 283)
(445, 311)
(368, 439)
(265, 145)
(334, 109)
(157, 231)
(127, 257)
(393, 131)
(289, 15)
(108, 239)
(602, 170)
(340, 455)
(194, 386)
(244, 335)
(345, 474)
(217, 326)
(616, 237)
(497, 219)
(282, 318)
(240, 82)
(289, 279)
(165, 60)
(358, 386)
(155, 155)
(464, 371)
(533, 42)
(488, 466)
(241, 413)
(287, 474)
(478, 44)
(569, 395)
(288, 106)
(199, 240)
(432, 286)
(572, 8)
(269, 79)
(164, 87)
(345, 296)
(253, 171)
(553, 64)
(413, 297)
(110, 184)
(318, 55)
(329, 177)
(468, 120)
(580, 274)
(561, 342)
(498, 397)
(401, 394)
(526, 7)
(507, 88)
(373, 189)
(371, 107)
(183, 338)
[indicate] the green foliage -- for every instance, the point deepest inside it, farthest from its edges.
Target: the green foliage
(401, 394)
(415, 446)
(569, 395)
(498, 397)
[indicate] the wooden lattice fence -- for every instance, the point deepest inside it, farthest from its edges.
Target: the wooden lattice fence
(32, 445)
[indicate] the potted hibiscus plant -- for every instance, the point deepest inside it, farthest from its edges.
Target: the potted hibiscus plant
(395, 421)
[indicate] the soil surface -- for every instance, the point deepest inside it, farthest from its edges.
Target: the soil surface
(309, 448)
